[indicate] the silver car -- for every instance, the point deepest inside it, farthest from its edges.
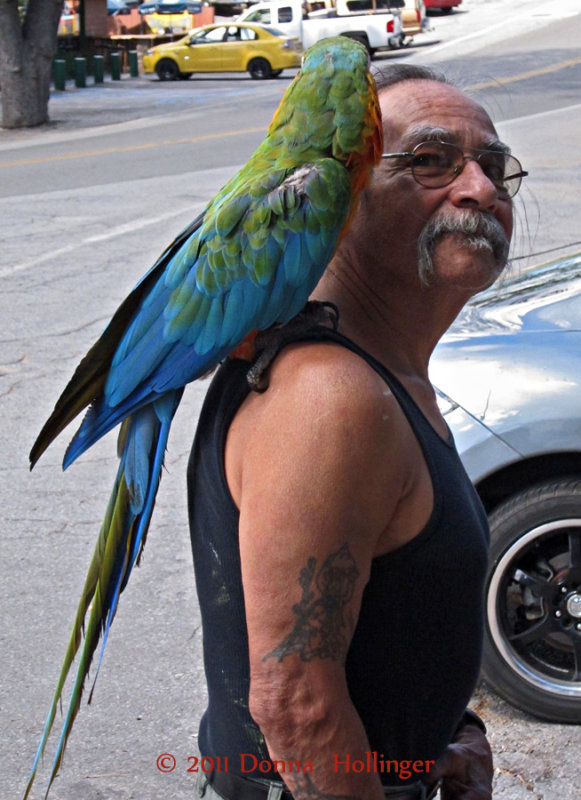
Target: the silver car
(508, 376)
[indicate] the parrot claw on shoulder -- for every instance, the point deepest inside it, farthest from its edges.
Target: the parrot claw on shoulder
(269, 343)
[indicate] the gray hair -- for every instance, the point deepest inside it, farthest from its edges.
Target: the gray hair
(389, 74)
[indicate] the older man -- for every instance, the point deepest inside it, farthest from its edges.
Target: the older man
(340, 549)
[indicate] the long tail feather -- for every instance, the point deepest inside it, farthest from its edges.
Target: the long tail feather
(143, 438)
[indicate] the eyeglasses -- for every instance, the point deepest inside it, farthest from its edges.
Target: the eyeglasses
(436, 164)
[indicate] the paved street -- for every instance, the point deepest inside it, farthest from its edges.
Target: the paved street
(86, 205)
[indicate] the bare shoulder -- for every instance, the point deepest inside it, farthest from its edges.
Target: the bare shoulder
(330, 376)
(328, 391)
(326, 414)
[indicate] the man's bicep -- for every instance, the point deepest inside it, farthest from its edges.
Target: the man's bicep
(300, 617)
(322, 621)
(316, 489)
(306, 543)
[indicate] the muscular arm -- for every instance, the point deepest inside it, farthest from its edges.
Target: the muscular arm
(313, 467)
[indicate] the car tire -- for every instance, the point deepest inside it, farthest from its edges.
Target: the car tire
(275, 73)
(259, 69)
(532, 644)
(167, 70)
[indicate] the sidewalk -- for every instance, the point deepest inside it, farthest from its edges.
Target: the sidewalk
(112, 102)
(105, 104)
(136, 101)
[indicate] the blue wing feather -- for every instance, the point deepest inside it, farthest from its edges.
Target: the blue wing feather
(157, 353)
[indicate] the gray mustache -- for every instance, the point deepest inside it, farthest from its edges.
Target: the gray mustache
(479, 229)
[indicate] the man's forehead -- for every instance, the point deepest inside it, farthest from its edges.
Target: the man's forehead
(419, 108)
(435, 133)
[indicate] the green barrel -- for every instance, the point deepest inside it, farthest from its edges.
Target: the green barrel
(116, 66)
(133, 67)
(59, 74)
(98, 69)
(80, 72)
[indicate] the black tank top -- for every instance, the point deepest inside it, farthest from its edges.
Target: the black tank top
(414, 659)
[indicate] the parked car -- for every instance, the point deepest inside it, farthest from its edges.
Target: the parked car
(412, 13)
(374, 32)
(263, 52)
(508, 375)
(445, 6)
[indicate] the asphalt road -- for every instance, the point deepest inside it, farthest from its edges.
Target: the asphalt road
(86, 204)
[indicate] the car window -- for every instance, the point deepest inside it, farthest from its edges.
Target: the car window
(262, 16)
(248, 35)
(209, 36)
(234, 34)
(285, 14)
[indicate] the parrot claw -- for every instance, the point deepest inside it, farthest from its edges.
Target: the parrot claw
(269, 343)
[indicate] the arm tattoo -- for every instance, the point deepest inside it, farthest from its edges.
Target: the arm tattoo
(321, 622)
(305, 789)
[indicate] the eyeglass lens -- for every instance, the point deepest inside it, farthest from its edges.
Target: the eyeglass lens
(436, 164)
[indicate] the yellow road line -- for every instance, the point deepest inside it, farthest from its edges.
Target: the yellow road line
(523, 76)
(148, 146)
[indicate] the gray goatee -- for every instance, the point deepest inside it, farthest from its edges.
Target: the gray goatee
(479, 230)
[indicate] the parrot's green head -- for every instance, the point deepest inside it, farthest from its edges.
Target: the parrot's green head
(343, 52)
(331, 107)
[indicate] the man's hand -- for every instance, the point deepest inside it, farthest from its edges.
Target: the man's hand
(466, 767)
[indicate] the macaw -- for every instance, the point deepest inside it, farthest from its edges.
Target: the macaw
(248, 262)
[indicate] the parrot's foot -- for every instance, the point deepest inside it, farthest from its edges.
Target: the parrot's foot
(269, 343)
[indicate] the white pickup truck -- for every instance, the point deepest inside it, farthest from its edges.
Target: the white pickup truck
(375, 31)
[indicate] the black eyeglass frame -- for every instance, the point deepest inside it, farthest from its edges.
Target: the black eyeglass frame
(476, 155)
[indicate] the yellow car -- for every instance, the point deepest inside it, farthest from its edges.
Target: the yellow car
(263, 52)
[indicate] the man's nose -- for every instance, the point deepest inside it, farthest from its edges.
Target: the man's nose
(472, 188)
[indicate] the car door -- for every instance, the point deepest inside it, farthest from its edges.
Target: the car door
(232, 54)
(181, 52)
(206, 49)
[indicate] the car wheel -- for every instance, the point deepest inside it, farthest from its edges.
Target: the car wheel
(275, 73)
(259, 69)
(532, 646)
(167, 70)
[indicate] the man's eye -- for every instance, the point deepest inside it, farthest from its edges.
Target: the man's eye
(431, 160)
(493, 169)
